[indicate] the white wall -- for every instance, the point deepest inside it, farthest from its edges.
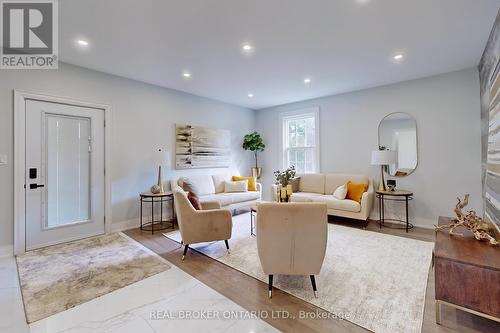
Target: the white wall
(143, 119)
(446, 108)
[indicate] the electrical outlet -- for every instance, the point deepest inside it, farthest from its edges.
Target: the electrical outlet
(3, 159)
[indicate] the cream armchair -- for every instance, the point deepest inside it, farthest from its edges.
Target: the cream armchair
(197, 226)
(291, 239)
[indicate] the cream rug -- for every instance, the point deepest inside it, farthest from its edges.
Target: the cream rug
(374, 280)
(62, 276)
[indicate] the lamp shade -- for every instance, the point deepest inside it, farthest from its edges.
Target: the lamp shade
(383, 157)
(161, 157)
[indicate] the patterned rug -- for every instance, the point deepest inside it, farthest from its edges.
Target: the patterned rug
(62, 276)
(374, 280)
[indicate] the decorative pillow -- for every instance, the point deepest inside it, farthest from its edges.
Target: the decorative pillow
(194, 201)
(199, 185)
(295, 184)
(239, 186)
(355, 191)
(251, 182)
(340, 192)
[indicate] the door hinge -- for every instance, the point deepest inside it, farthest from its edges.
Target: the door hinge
(104, 219)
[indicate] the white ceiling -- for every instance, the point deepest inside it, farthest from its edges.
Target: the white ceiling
(342, 45)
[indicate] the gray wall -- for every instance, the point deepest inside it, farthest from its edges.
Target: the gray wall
(143, 119)
(446, 108)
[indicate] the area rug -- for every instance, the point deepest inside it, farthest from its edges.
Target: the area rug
(374, 280)
(62, 276)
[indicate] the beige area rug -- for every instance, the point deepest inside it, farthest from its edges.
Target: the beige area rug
(374, 280)
(62, 276)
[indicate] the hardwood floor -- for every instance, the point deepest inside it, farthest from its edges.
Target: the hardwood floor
(251, 293)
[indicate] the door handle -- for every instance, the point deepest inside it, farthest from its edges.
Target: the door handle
(34, 186)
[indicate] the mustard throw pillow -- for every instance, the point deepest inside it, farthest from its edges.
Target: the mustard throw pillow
(355, 191)
(251, 182)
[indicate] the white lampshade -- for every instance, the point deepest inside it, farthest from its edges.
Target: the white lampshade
(162, 157)
(383, 157)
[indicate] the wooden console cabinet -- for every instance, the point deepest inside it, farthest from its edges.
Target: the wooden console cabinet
(467, 274)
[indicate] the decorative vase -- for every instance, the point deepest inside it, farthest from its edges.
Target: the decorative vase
(257, 172)
(283, 193)
(155, 189)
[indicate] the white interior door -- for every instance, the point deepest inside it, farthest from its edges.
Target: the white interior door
(64, 173)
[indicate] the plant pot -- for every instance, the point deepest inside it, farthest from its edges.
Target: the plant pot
(256, 172)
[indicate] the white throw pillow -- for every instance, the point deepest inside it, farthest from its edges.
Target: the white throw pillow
(239, 186)
(340, 192)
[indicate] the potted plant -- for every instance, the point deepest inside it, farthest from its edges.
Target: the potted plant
(283, 180)
(254, 142)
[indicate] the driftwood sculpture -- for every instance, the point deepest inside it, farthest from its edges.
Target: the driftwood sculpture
(469, 220)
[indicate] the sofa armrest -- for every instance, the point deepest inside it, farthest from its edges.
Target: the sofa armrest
(367, 201)
(259, 188)
(210, 205)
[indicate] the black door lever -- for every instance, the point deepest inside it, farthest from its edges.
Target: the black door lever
(34, 186)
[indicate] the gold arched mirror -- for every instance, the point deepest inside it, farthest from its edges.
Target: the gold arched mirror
(398, 132)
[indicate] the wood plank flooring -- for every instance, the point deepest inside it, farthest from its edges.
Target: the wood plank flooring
(251, 293)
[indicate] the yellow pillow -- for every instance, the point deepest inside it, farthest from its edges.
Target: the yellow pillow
(251, 182)
(355, 191)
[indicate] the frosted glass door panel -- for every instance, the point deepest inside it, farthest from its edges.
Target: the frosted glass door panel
(68, 149)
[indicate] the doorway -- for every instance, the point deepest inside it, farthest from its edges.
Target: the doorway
(61, 172)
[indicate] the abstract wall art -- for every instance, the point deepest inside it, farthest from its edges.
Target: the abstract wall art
(489, 74)
(201, 147)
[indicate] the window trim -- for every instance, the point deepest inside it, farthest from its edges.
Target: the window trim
(299, 113)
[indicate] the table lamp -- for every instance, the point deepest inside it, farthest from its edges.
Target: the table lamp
(383, 158)
(161, 158)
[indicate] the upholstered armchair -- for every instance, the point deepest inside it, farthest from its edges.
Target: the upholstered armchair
(197, 226)
(291, 239)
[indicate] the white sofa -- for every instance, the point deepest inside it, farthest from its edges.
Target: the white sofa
(211, 188)
(320, 188)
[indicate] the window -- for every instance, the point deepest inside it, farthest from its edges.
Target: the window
(301, 140)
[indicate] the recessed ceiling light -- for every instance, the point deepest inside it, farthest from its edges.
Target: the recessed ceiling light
(307, 80)
(82, 42)
(250, 95)
(398, 57)
(186, 75)
(247, 47)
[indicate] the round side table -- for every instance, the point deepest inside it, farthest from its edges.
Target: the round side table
(160, 198)
(397, 195)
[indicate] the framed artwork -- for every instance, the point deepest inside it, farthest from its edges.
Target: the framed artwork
(201, 147)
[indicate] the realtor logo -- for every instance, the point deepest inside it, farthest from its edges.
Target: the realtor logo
(29, 34)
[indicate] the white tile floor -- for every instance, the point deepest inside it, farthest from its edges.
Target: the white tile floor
(128, 310)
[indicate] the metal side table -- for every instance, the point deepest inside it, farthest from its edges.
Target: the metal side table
(160, 198)
(397, 195)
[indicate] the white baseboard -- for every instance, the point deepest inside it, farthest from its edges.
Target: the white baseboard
(6, 251)
(125, 225)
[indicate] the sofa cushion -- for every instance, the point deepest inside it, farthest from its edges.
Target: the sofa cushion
(241, 196)
(314, 183)
(219, 180)
(220, 198)
(334, 180)
(333, 203)
(226, 199)
(304, 196)
(199, 185)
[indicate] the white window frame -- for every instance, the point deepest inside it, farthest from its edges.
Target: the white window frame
(283, 139)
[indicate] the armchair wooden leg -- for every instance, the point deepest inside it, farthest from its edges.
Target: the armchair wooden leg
(271, 286)
(227, 245)
(185, 251)
(313, 282)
